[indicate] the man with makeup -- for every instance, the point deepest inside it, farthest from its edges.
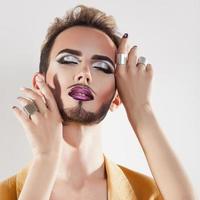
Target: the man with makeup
(80, 78)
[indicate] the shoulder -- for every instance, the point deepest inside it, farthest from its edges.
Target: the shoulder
(8, 188)
(143, 185)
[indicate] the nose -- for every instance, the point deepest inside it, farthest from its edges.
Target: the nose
(83, 76)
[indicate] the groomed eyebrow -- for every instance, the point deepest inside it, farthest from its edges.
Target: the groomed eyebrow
(94, 57)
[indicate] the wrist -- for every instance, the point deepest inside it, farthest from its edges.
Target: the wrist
(48, 157)
(137, 112)
(52, 153)
(141, 118)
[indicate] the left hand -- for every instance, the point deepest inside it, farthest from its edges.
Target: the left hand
(133, 80)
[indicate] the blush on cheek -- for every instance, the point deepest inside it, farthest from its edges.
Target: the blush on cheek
(107, 94)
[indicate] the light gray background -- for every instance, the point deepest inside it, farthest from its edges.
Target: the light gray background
(166, 32)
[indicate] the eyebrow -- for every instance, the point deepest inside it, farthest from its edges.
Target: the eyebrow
(94, 57)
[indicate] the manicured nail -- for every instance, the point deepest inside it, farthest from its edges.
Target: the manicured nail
(13, 107)
(125, 35)
(135, 47)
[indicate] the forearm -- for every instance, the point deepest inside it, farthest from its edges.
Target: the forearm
(40, 179)
(164, 165)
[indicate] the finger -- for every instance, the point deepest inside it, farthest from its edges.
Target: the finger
(34, 116)
(141, 66)
(37, 90)
(149, 69)
(25, 101)
(132, 58)
(45, 90)
(36, 98)
(123, 44)
(123, 48)
(22, 117)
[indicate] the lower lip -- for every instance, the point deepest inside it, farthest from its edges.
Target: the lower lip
(82, 98)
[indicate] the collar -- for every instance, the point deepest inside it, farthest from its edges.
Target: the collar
(20, 178)
(119, 187)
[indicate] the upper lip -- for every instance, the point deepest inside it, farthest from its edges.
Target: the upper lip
(83, 89)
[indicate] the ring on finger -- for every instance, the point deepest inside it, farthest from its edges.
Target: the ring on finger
(30, 109)
(142, 60)
(121, 58)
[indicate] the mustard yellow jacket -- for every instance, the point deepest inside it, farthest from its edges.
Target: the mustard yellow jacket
(123, 184)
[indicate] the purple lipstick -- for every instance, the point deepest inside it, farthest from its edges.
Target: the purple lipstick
(82, 93)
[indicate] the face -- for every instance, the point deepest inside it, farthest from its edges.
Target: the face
(86, 56)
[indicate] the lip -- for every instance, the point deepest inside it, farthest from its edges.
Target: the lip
(81, 92)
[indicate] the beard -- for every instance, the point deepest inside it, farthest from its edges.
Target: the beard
(80, 115)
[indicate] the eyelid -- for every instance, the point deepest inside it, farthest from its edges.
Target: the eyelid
(61, 55)
(66, 54)
(105, 62)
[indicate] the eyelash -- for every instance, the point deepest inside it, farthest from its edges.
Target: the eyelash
(107, 71)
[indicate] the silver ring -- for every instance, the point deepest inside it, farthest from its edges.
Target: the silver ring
(121, 58)
(142, 60)
(30, 109)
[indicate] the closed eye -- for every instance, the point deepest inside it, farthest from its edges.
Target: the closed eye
(67, 59)
(103, 66)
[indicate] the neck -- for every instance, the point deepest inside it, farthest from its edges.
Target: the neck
(82, 157)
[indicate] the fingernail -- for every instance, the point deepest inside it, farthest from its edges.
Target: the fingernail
(39, 78)
(13, 107)
(125, 35)
(135, 47)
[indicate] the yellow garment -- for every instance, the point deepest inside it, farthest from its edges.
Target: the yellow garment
(123, 184)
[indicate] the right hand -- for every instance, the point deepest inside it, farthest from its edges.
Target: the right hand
(44, 129)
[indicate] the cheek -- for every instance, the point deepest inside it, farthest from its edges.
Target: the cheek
(106, 88)
(58, 82)
(58, 77)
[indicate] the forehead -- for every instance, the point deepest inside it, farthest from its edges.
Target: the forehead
(88, 40)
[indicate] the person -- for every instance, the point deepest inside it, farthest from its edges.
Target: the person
(87, 69)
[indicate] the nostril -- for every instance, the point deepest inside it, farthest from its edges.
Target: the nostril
(80, 77)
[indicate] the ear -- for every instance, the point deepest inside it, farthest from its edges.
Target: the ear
(34, 84)
(116, 102)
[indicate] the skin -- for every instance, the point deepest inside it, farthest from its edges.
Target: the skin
(73, 147)
(79, 155)
(80, 137)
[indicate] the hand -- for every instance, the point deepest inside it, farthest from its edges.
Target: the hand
(133, 80)
(44, 129)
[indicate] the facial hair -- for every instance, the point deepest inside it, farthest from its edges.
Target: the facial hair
(80, 115)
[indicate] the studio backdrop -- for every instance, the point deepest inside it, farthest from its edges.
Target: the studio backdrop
(166, 32)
